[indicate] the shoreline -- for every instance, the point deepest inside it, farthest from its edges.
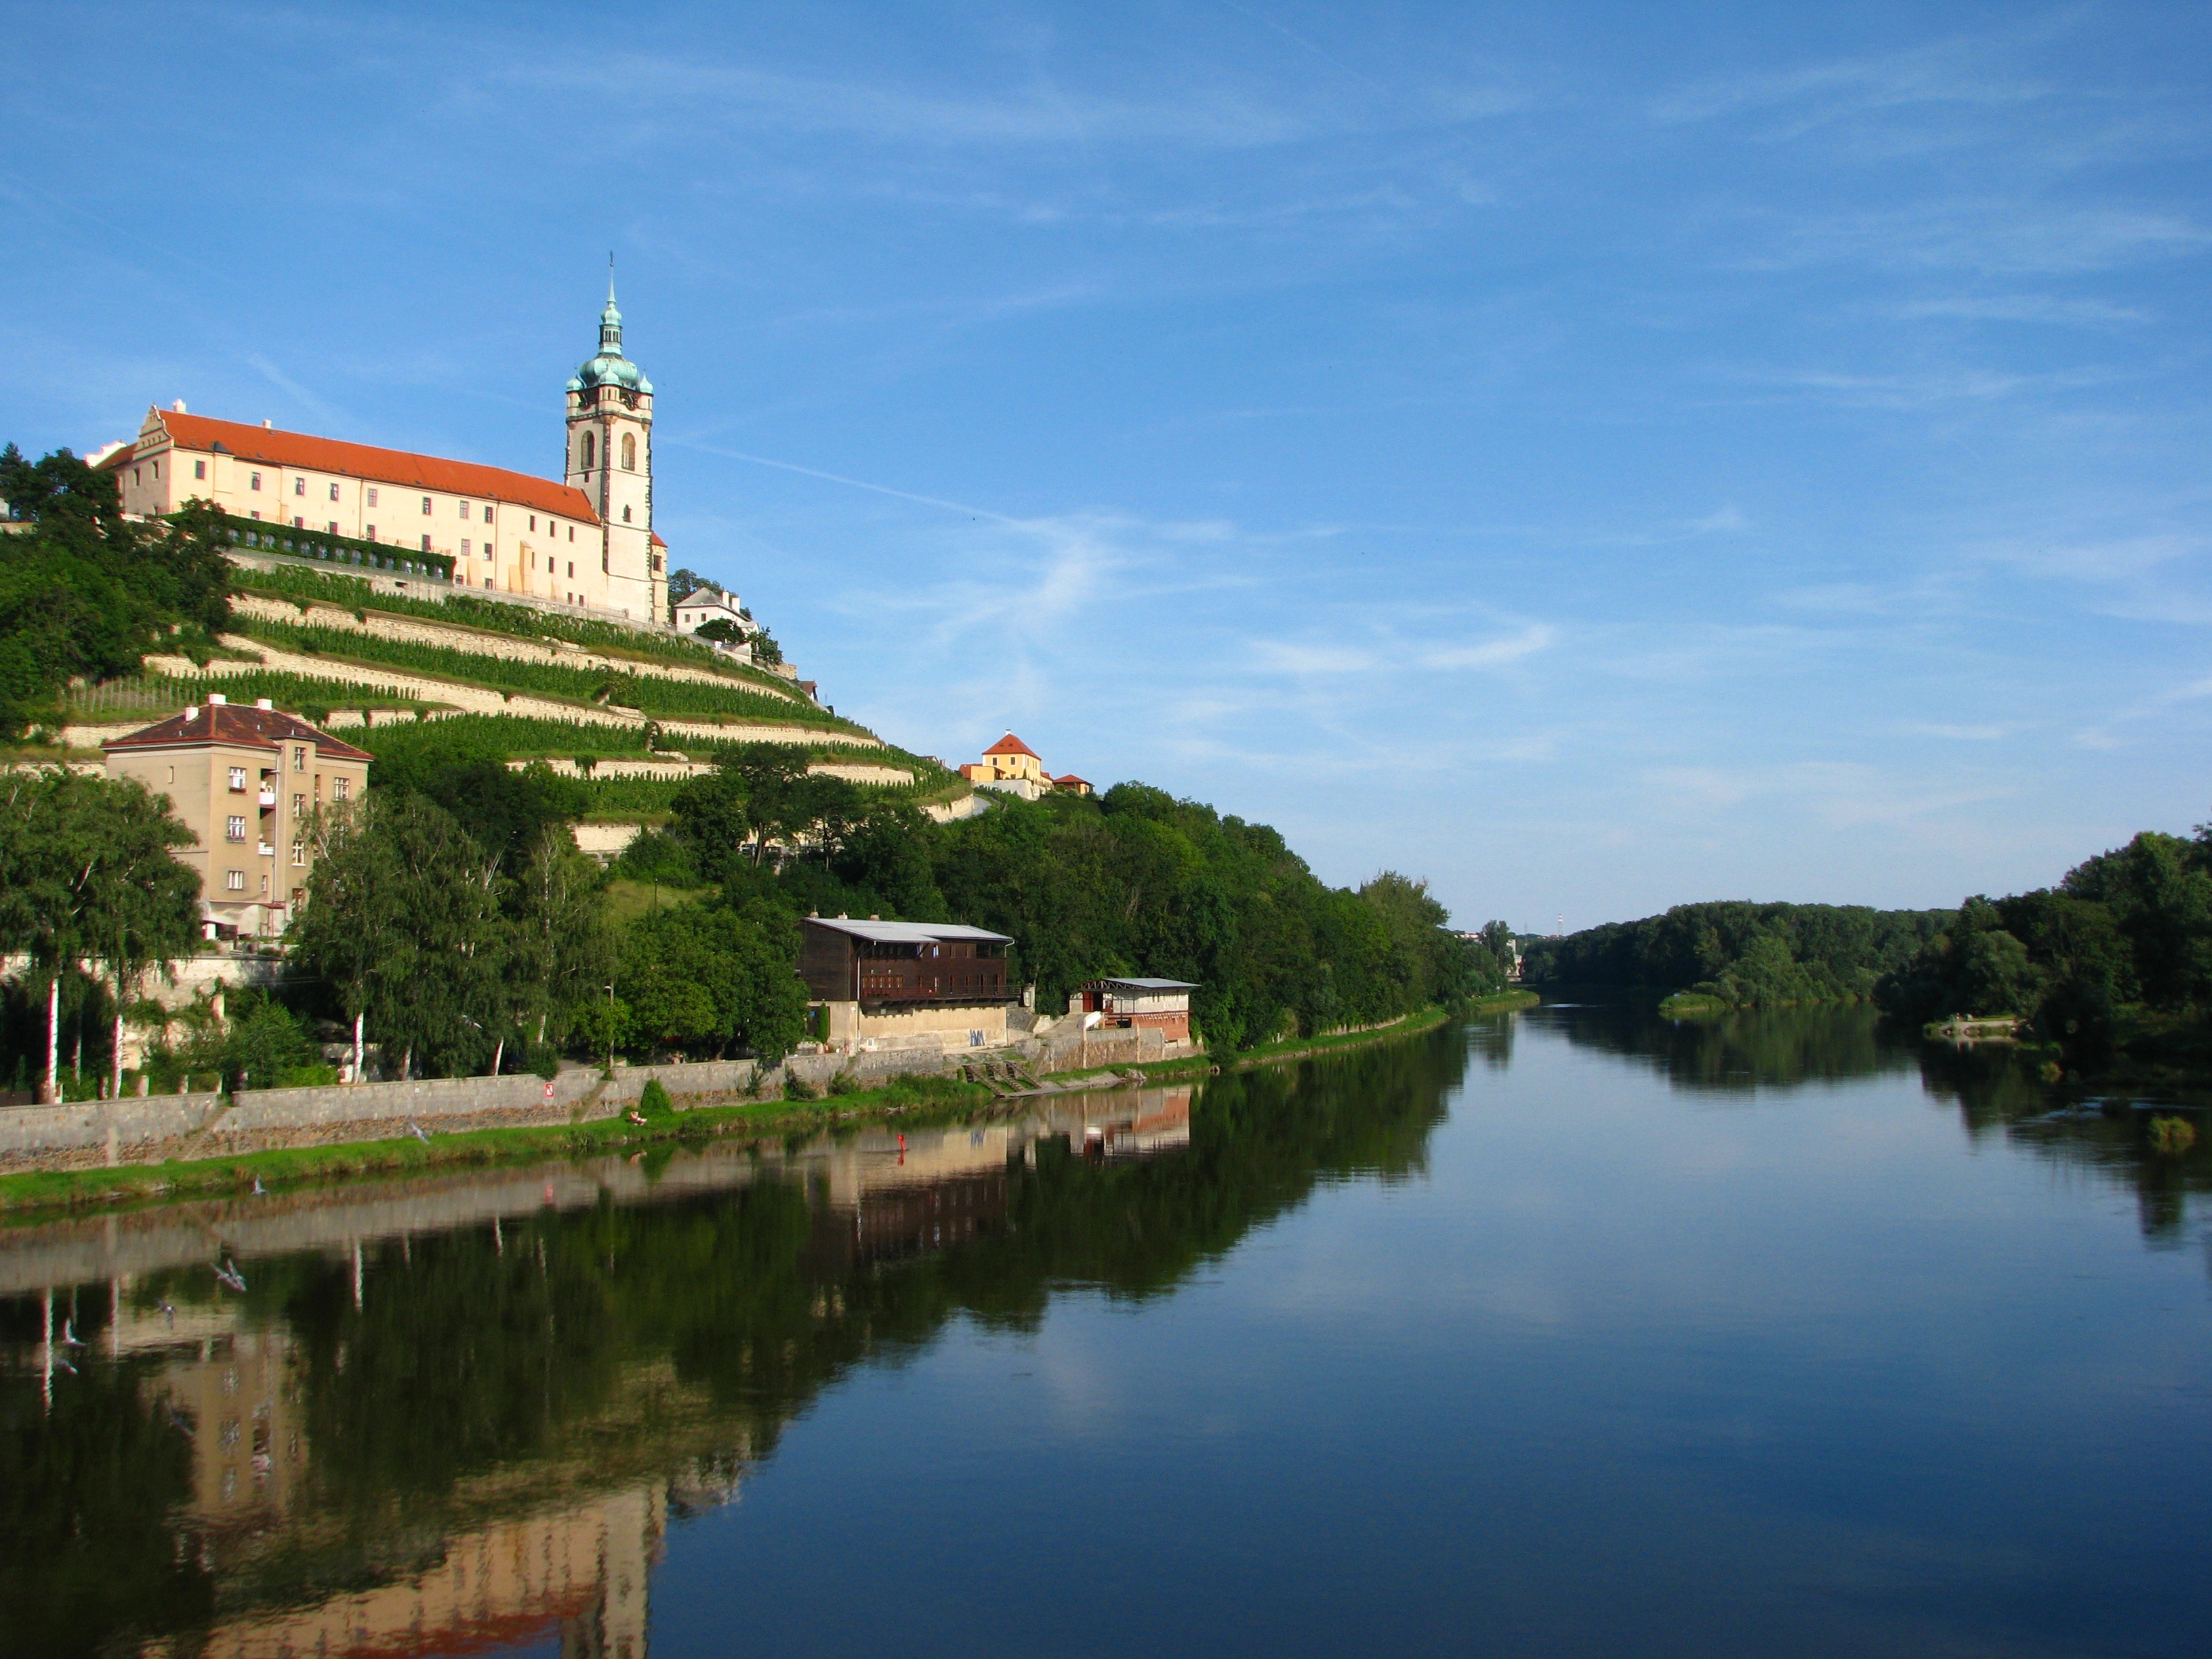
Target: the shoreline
(33, 1193)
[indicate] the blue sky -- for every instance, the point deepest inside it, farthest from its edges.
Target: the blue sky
(1597, 457)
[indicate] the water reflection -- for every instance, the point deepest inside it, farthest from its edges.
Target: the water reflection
(453, 1413)
(1740, 1051)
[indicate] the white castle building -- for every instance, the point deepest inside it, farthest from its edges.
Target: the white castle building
(585, 541)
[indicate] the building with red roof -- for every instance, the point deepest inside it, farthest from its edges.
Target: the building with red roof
(248, 783)
(586, 540)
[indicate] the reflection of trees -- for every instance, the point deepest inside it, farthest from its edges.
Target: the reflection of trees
(85, 1490)
(484, 1371)
(1743, 1050)
(1997, 1093)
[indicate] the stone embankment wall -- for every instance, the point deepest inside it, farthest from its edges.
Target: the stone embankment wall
(152, 1129)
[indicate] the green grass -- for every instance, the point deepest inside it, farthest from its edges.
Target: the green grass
(646, 693)
(626, 900)
(403, 1155)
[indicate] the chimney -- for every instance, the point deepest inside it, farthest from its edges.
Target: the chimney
(217, 700)
(178, 406)
(193, 713)
(267, 425)
(264, 702)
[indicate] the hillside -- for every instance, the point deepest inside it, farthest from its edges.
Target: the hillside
(627, 715)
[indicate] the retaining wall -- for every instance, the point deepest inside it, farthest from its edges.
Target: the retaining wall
(30, 1131)
(254, 1109)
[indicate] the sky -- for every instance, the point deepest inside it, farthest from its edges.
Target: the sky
(1596, 458)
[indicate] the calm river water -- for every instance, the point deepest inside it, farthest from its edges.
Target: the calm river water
(1570, 1333)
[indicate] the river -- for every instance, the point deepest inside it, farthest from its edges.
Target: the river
(1568, 1331)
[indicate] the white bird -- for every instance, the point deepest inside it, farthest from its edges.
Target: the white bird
(69, 1338)
(259, 1191)
(416, 1129)
(169, 1312)
(227, 1274)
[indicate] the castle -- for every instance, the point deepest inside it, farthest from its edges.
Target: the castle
(585, 541)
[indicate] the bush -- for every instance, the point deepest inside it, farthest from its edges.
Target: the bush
(2171, 1137)
(545, 1061)
(844, 1084)
(796, 1087)
(654, 1101)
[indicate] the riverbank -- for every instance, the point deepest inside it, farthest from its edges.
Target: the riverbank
(403, 1154)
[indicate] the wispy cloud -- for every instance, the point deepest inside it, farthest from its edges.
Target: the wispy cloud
(1493, 653)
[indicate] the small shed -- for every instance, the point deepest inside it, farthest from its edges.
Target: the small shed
(1161, 1004)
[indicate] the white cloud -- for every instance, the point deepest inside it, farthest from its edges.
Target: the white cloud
(1493, 653)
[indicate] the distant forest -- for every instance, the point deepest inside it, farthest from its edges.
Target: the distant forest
(2112, 966)
(1739, 954)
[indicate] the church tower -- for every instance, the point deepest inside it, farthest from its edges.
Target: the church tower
(610, 460)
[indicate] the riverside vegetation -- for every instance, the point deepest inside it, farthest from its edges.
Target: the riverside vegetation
(451, 923)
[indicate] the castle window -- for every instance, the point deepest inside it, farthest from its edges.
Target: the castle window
(630, 452)
(371, 497)
(426, 544)
(254, 483)
(299, 486)
(572, 566)
(465, 512)
(425, 507)
(199, 469)
(533, 524)
(625, 515)
(136, 475)
(299, 523)
(572, 532)
(233, 881)
(371, 535)
(486, 552)
(334, 527)
(487, 512)
(590, 451)
(464, 547)
(334, 492)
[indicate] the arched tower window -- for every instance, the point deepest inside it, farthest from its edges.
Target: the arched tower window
(630, 452)
(591, 449)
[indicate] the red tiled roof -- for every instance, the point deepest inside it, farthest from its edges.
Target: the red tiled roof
(396, 466)
(1069, 777)
(658, 542)
(1010, 745)
(229, 723)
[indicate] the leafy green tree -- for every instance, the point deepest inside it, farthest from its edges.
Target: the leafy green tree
(403, 922)
(87, 873)
(706, 978)
(559, 948)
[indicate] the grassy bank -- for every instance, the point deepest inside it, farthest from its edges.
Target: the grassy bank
(401, 1154)
(404, 1155)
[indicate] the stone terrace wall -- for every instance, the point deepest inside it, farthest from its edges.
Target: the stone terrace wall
(137, 1121)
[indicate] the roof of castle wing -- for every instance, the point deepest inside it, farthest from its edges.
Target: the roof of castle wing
(1010, 745)
(233, 725)
(392, 466)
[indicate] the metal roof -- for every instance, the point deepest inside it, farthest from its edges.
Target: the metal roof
(907, 933)
(1151, 984)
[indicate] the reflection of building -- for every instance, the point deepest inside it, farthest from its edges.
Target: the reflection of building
(1163, 1005)
(246, 783)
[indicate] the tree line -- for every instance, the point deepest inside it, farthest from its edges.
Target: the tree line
(2114, 962)
(1739, 954)
(84, 593)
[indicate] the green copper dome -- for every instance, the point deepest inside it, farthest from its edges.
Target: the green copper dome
(610, 368)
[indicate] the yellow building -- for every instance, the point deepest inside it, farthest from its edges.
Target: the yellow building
(586, 540)
(246, 782)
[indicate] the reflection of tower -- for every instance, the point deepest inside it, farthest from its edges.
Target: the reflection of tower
(610, 460)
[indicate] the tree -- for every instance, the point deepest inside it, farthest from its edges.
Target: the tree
(86, 872)
(560, 951)
(710, 977)
(721, 630)
(403, 922)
